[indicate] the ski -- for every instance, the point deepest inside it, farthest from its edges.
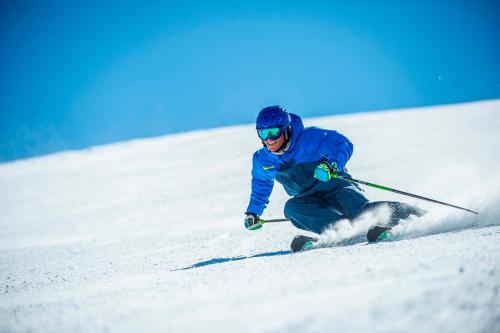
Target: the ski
(375, 234)
(378, 234)
(302, 243)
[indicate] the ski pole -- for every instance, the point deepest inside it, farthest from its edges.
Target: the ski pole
(380, 187)
(273, 220)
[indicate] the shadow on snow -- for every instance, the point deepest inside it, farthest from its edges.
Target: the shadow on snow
(223, 260)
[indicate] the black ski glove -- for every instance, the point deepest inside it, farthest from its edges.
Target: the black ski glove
(252, 221)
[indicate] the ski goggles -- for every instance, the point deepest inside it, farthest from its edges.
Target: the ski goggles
(269, 133)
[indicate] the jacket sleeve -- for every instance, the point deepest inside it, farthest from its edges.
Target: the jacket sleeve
(331, 145)
(262, 186)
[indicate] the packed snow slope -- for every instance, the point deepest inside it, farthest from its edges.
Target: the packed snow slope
(147, 235)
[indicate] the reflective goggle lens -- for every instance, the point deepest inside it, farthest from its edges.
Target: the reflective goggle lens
(269, 133)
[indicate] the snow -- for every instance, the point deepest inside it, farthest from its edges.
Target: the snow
(147, 235)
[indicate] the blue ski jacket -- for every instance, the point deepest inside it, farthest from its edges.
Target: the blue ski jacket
(294, 169)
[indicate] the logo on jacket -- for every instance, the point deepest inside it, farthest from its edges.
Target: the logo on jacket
(268, 167)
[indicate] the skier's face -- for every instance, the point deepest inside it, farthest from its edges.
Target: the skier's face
(275, 145)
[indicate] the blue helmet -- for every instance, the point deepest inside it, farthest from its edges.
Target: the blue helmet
(273, 116)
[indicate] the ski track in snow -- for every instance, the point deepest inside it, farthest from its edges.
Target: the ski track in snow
(133, 237)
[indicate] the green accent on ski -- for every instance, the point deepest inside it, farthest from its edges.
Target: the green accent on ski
(307, 245)
(384, 236)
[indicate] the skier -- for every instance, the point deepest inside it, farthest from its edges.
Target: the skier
(306, 161)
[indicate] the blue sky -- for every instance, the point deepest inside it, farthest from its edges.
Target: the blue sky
(77, 74)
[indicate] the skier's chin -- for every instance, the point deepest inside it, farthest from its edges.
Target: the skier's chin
(274, 147)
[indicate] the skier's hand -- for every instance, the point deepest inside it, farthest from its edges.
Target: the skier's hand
(326, 171)
(252, 221)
